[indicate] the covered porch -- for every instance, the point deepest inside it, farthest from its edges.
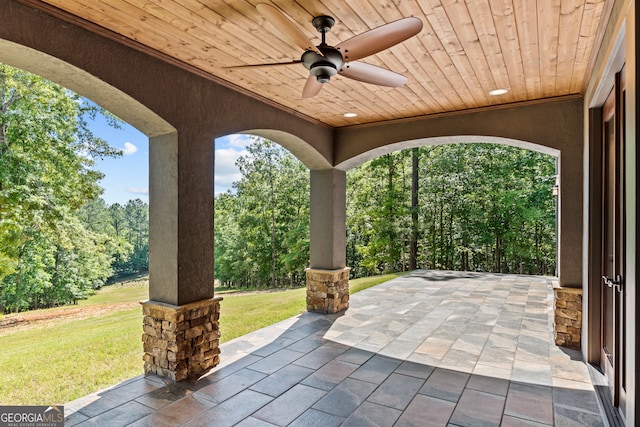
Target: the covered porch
(429, 348)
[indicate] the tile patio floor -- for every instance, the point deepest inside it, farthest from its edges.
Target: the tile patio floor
(427, 349)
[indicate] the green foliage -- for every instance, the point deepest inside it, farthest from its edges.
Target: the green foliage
(481, 207)
(262, 231)
(127, 228)
(47, 255)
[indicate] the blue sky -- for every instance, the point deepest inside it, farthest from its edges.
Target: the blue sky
(127, 177)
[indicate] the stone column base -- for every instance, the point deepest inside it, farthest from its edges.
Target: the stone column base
(181, 342)
(327, 290)
(568, 317)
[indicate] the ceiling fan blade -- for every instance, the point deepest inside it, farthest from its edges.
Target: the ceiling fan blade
(311, 87)
(268, 64)
(290, 32)
(378, 39)
(368, 73)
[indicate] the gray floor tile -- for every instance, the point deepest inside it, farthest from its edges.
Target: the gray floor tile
(530, 402)
(319, 357)
(533, 373)
(426, 411)
(330, 375)
(224, 371)
(231, 385)
(399, 349)
(582, 400)
(567, 417)
(445, 384)
(273, 346)
(75, 418)
(370, 414)
(314, 417)
(376, 369)
(355, 355)
(276, 361)
(166, 395)
(176, 413)
(282, 380)
(414, 369)
(509, 421)
(459, 360)
(396, 391)
(346, 397)
(253, 422)
(119, 395)
(123, 415)
(488, 384)
(290, 405)
(478, 409)
(307, 344)
(231, 411)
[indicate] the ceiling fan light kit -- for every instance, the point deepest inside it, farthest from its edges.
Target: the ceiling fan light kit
(324, 61)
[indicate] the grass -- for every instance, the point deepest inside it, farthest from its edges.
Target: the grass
(60, 362)
(131, 291)
(357, 285)
(53, 365)
(241, 314)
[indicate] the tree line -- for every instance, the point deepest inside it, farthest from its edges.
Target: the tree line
(479, 207)
(57, 243)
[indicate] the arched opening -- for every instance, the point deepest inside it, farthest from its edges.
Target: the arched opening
(85, 84)
(63, 247)
(454, 205)
(444, 140)
(569, 230)
(262, 219)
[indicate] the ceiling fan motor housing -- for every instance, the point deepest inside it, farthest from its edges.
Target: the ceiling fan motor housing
(323, 67)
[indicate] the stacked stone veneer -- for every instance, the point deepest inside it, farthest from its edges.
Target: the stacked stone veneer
(568, 317)
(327, 290)
(181, 342)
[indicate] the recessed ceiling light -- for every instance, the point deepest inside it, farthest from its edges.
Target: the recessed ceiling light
(497, 92)
(350, 115)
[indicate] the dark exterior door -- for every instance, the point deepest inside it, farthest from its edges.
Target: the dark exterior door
(612, 289)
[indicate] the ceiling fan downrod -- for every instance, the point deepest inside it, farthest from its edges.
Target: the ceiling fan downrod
(323, 67)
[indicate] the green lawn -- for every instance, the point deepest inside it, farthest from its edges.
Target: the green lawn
(60, 362)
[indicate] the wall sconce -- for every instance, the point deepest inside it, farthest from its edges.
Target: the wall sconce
(556, 187)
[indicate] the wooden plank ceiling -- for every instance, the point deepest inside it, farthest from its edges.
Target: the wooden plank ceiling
(535, 49)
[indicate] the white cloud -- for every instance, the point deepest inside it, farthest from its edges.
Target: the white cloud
(137, 190)
(238, 140)
(226, 171)
(129, 149)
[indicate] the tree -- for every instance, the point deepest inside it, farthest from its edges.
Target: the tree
(415, 185)
(46, 151)
(262, 231)
(137, 222)
(482, 207)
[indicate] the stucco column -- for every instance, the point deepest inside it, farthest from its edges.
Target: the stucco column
(181, 317)
(570, 219)
(328, 277)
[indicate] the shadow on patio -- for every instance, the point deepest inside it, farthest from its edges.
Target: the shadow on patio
(427, 349)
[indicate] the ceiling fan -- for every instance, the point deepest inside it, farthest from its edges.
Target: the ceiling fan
(324, 61)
